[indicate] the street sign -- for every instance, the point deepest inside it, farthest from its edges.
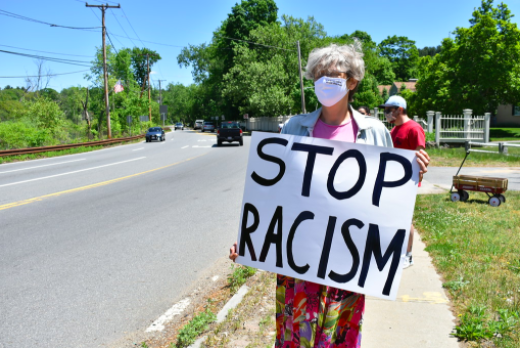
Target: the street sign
(129, 119)
(163, 109)
(246, 116)
(223, 118)
(144, 118)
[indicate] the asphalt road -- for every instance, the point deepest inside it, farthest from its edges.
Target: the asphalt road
(94, 246)
(97, 245)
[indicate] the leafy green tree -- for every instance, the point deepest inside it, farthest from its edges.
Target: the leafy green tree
(403, 55)
(478, 69)
(50, 93)
(429, 51)
(70, 102)
(244, 17)
(368, 93)
(48, 118)
(140, 58)
(385, 95)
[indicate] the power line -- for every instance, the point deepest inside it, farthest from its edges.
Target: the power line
(17, 16)
(52, 59)
(256, 43)
(114, 46)
(49, 75)
(64, 54)
(124, 31)
(131, 26)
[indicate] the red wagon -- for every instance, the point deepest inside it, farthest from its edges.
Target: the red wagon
(493, 187)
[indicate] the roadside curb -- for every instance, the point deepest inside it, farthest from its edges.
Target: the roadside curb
(223, 313)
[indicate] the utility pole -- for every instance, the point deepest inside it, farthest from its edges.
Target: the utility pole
(160, 92)
(149, 89)
(301, 77)
(105, 73)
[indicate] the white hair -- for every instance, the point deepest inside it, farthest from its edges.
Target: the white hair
(348, 58)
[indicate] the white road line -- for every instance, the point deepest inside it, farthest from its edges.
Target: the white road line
(185, 147)
(202, 140)
(177, 309)
(172, 139)
(201, 147)
(45, 165)
(141, 148)
(77, 171)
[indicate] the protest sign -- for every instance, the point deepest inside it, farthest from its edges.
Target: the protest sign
(329, 212)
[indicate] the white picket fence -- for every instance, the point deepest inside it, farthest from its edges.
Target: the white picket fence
(447, 128)
(265, 124)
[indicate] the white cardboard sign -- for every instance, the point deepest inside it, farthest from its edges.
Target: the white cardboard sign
(329, 212)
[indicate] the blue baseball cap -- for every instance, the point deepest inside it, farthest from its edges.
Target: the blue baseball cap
(394, 101)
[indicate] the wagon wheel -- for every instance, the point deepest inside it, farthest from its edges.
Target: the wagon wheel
(502, 198)
(464, 195)
(494, 201)
(455, 197)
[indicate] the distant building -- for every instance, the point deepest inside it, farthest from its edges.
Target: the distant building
(395, 87)
(507, 115)
(382, 87)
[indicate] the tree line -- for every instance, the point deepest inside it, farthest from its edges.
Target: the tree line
(251, 66)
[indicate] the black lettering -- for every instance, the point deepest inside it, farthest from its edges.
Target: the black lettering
(305, 215)
(245, 238)
(362, 174)
(380, 181)
(374, 247)
(326, 247)
(270, 182)
(345, 231)
(311, 159)
(274, 238)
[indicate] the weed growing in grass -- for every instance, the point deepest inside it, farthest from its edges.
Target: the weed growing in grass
(455, 285)
(239, 276)
(475, 247)
(189, 333)
(476, 325)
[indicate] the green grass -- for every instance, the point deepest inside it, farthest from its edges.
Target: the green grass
(189, 333)
(82, 149)
(239, 276)
(476, 248)
(504, 134)
(452, 157)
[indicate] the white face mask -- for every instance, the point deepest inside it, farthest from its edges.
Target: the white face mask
(330, 90)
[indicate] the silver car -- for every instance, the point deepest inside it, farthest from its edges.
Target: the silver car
(208, 126)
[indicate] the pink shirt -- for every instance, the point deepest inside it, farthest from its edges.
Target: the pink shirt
(345, 132)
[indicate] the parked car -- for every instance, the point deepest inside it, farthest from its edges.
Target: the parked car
(155, 133)
(179, 125)
(229, 132)
(208, 126)
(198, 124)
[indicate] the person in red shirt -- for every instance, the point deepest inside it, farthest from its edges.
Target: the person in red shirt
(407, 134)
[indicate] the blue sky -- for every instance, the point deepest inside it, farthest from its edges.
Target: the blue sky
(179, 23)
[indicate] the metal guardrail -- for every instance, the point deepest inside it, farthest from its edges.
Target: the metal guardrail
(31, 150)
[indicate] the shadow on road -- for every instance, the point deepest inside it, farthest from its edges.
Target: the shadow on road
(226, 145)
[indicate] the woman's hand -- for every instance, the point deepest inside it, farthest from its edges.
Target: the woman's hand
(423, 160)
(233, 252)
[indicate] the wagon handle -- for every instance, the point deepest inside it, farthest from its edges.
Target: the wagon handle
(464, 160)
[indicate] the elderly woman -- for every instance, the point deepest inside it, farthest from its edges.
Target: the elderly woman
(309, 314)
